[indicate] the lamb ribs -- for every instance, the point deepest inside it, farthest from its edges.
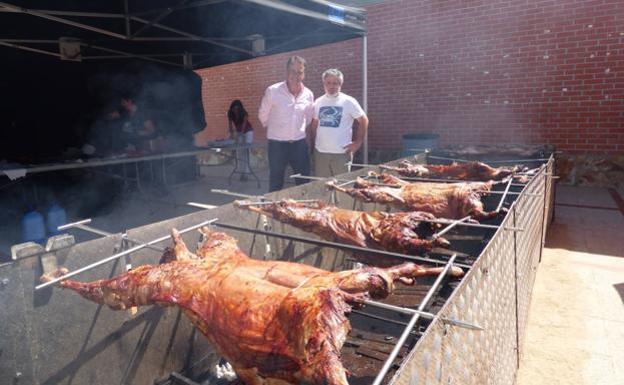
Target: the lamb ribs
(275, 322)
(443, 200)
(469, 171)
(404, 233)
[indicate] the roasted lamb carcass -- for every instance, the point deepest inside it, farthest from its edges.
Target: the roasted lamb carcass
(405, 233)
(275, 322)
(469, 171)
(443, 200)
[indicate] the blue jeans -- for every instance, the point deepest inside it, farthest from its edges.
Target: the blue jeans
(283, 153)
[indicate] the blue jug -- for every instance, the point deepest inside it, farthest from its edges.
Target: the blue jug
(33, 227)
(55, 217)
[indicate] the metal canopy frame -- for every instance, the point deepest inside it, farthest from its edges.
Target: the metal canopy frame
(152, 20)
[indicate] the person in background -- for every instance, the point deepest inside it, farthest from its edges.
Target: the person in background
(286, 110)
(138, 128)
(241, 131)
(332, 127)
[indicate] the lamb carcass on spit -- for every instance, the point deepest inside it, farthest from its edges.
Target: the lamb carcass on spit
(404, 233)
(470, 171)
(275, 322)
(443, 200)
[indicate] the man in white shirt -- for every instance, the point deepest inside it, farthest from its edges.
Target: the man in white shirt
(332, 127)
(286, 110)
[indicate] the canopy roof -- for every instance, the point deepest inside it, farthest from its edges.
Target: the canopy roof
(193, 33)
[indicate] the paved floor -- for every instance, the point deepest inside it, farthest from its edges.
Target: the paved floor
(131, 208)
(575, 332)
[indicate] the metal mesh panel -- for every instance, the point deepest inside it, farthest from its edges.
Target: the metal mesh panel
(453, 355)
(495, 294)
(528, 214)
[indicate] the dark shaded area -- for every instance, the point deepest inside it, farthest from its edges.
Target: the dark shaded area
(51, 105)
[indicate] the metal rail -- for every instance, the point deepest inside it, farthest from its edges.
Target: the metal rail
(82, 226)
(235, 194)
(119, 255)
(202, 205)
(406, 332)
(348, 181)
(502, 200)
(335, 245)
(489, 161)
(450, 227)
(262, 203)
(423, 314)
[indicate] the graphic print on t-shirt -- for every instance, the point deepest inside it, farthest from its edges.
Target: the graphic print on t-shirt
(330, 116)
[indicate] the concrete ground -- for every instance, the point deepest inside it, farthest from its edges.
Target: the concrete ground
(575, 332)
(129, 208)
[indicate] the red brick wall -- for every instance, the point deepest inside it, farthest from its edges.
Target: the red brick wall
(489, 71)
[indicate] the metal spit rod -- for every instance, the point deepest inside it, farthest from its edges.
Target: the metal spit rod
(261, 203)
(410, 178)
(235, 194)
(340, 246)
(82, 226)
(412, 323)
(502, 200)
(423, 314)
(346, 181)
(121, 254)
(201, 205)
(449, 227)
(489, 161)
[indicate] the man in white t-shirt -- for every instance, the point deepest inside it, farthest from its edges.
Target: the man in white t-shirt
(332, 127)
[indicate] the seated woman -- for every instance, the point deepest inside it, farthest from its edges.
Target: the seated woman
(242, 132)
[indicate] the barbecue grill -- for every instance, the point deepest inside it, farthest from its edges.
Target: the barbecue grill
(437, 331)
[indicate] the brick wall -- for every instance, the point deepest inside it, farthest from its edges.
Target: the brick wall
(490, 71)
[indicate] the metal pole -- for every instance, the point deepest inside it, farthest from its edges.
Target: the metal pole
(61, 20)
(82, 226)
(335, 245)
(502, 200)
(449, 227)
(365, 90)
(412, 323)
(119, 255)
(423, 314)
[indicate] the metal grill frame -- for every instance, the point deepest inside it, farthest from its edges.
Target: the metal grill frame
(495, 294)
(39, 344)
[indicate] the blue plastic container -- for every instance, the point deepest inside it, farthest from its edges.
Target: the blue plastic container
(33, 227)
(413, 144)
(55, 217)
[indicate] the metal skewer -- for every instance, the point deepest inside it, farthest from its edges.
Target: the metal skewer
(340, 246)
(423, 314)
(119, 255)
(261, 203)
(412, 323)
(489, 161)
(82, 226)
(202, 205)
(449, 227)
(235, 194)
(502, 200)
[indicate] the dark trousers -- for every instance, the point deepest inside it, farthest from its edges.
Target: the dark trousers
(283, 153)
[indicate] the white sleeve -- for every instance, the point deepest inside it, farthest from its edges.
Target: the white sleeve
(265, 107)
(355, 109)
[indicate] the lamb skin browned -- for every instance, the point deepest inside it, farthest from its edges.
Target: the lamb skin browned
(404, 233)
(469, 171)
(275, 322)
(444, 200)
